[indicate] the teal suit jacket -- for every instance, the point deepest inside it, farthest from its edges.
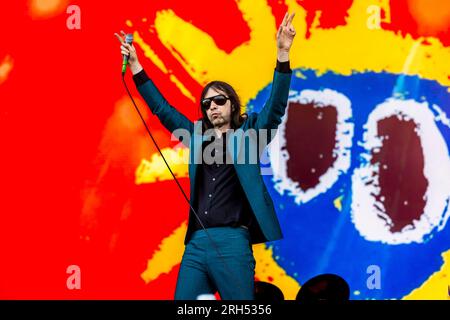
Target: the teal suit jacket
(248, 172)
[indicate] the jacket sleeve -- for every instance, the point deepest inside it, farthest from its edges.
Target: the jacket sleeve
(171, 118)
(270, 115)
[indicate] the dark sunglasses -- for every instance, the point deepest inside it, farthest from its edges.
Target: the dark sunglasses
(219, 100)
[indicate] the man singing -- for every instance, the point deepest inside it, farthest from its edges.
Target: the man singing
(232, 207)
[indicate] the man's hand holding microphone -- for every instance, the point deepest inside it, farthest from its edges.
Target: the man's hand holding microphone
(129, 52)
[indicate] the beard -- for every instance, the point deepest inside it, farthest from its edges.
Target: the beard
(219, 121)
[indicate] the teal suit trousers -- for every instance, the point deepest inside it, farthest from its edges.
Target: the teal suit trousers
(225, 265)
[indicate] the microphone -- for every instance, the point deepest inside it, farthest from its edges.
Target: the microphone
(129, 40)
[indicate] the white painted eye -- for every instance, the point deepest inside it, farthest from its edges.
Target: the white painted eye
(402, 189)
(312, 146)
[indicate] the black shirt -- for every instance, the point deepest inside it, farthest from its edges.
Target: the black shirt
(221, 201)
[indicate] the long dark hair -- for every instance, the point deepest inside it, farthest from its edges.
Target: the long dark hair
(236, 117)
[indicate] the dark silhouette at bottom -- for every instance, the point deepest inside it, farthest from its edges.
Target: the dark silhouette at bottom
(267, 292)
(324, 287)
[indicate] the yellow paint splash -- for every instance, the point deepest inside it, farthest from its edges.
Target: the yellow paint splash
(437, 286)
(268, 270)
(209, 63)
(168, 256)
(149, 53)
(156, 170)
(343, 50)
(338, 203)
(182, 88)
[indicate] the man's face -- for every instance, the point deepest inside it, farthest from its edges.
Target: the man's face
(219, 115)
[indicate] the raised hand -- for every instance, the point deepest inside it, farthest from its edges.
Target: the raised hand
(130, 51)
(286, 33)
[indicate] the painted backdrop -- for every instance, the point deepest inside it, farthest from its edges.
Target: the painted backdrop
(359, 170)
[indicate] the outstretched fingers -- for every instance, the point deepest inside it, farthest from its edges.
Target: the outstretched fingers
(291, 18)
(119, 38)
(285, 19)
(289, 26)
(283, 24)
